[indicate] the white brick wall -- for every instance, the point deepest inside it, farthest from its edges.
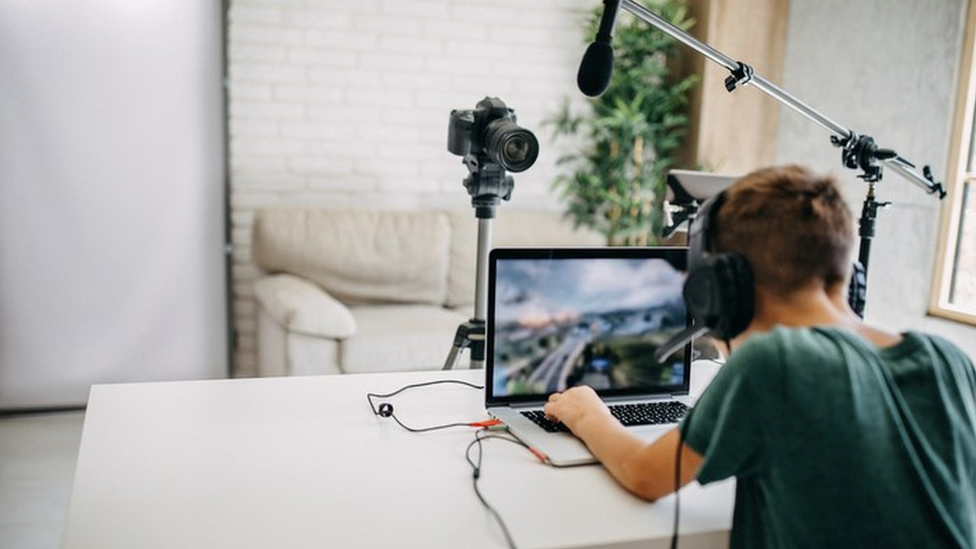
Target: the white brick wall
(347, 103)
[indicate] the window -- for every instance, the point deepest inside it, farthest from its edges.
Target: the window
(955, 288)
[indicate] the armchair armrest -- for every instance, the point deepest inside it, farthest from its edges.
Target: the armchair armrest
(303, 307)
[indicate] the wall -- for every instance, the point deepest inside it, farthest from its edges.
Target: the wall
(886, 69)
(732, 131)
(347, 104)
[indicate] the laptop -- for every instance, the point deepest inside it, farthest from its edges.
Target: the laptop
(559, 317)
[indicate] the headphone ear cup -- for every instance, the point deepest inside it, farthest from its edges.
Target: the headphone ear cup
(719, 294)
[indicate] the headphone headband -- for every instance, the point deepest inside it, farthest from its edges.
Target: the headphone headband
(701, 233)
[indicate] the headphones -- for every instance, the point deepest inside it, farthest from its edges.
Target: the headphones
(719, 291)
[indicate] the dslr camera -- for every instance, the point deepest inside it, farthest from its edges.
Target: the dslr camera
(489, 134)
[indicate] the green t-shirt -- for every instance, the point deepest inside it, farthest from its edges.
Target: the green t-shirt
(836, 443)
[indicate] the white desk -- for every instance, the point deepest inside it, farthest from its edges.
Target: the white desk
(302, 462)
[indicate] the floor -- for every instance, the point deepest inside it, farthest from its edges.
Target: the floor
(37, 464)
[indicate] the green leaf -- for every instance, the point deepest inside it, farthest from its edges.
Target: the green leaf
(632, 133)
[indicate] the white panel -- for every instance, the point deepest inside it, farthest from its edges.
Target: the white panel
(111, 185)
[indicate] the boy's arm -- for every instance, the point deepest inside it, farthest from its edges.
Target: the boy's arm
(647, 470)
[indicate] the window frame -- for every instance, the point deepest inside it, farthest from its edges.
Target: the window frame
(956, 180)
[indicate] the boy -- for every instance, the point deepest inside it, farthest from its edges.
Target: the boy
(839, 434)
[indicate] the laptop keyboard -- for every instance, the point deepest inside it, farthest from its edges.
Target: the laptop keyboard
(642, 413)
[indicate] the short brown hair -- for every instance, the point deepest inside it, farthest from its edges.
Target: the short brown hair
(792, 226)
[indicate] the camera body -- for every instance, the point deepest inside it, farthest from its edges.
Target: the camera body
(489, 133)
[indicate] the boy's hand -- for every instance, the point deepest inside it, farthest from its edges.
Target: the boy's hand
(572, 406)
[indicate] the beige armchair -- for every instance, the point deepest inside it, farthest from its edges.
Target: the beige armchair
(346, 291)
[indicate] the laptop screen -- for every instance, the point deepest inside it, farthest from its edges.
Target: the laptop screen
(559, 317)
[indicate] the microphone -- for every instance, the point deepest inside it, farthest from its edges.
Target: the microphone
(597, 64)
(678, 341)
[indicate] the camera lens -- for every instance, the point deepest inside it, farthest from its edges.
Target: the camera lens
(512, 146)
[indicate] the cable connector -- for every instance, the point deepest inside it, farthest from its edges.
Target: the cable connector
(542, 457)
(486, 424)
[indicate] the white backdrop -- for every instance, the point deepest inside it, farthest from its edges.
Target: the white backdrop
(111, 196)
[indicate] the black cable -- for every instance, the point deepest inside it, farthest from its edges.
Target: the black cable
(476, 474)
(677, 470)
(431, 428)
(677, 489)
(386, 410)
(370, 396)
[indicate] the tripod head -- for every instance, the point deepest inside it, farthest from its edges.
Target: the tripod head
(488, 185)
(862, 152)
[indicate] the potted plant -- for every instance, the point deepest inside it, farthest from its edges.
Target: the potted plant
(630, 134)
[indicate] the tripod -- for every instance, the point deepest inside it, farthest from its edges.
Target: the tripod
(488, 185)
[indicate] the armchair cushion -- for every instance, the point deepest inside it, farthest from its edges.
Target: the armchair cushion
(510, 228)
(302, 307)
(400, 337)
(358, 256)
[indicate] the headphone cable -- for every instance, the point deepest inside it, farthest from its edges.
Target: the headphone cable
(483, 433)
(480, 436)
(677, 490)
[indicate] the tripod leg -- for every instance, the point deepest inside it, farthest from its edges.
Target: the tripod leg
(460, 342)
(452, 357)
(470, 334)
(476, 338)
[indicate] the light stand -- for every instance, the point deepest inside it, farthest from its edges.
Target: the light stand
(857, 151)
(488, 185)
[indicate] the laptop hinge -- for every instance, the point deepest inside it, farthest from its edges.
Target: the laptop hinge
(641, 398)
(527, 404)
